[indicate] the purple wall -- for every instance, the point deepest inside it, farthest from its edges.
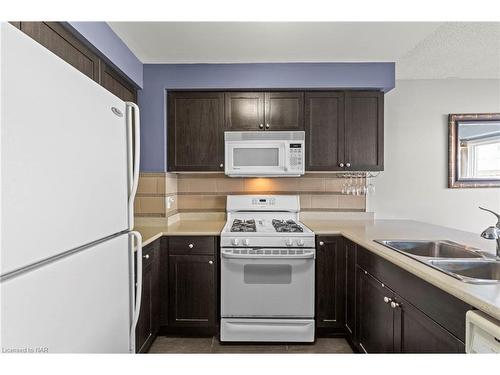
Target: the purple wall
(104, 39)
(159, 78)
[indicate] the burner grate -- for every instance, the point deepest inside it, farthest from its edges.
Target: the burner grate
(243, 225)
(286, 226)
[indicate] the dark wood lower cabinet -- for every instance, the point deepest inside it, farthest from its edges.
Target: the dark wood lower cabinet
(350, 287)
(192, 282)
(354, 291)
(330, 284)
(149, 315)
(415, 332)
(375, 317)
(397, 317)
(192, 285)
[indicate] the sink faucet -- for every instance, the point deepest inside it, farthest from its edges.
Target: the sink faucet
(493, 232)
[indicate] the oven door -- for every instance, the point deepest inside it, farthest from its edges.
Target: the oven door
(256, 158)
(272, 285)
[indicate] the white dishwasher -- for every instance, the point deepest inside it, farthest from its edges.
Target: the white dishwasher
(482, 333)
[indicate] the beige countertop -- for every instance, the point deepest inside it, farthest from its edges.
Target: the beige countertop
(204, 225)
(363, 232)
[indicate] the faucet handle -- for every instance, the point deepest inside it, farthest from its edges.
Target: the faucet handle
(491, 233)
(494, 213)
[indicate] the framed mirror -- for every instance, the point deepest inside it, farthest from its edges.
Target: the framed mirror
(474, 150)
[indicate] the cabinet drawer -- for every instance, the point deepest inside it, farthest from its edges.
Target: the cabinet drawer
(191, 245)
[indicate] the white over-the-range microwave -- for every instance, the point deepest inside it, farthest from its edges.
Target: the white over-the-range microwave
(264, 153)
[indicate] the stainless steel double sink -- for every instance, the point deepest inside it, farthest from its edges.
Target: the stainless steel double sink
(462, 262)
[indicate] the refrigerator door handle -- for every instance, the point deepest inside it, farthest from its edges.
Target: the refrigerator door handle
(133, 127)
(138, 282)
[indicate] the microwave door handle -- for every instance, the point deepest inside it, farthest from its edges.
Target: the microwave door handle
(286, 157)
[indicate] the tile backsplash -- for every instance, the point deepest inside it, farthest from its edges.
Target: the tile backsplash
(164, 194)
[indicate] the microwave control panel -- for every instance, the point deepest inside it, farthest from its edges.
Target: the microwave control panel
(296, 155)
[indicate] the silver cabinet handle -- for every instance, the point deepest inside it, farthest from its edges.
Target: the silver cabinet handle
(267, 126)
(261, 126)
(394, 304)
(348, 165)
(321, 243)
(341, 165)
(146, 256)
(221, 165)
(210, 262)
(190, 245)
(387, 299)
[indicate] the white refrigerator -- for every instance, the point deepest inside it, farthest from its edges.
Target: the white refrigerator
(69, 174)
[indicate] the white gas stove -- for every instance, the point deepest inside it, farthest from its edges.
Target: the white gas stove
(265, 221)
(267, 271)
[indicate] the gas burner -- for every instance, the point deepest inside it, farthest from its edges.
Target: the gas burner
(286, 226)
(243, 225)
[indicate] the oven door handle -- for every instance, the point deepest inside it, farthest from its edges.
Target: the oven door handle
(264, 256)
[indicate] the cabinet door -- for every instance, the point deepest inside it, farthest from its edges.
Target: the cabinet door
(143, 331)
(192, 287)
(374, 317)
(112, 82)
(284, 111)
(244, 110)
(350, 288)
(195, 131)
(415, 332)
(61, 42)
(324, 126)
(364, 130)
(148, 323)
(330, 283)
(155, 288)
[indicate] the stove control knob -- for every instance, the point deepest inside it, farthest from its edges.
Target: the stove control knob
(300, 242)
(235, 241)
(246, 242)
(288, 242)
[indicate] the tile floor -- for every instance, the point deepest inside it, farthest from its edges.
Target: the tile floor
(198, 345)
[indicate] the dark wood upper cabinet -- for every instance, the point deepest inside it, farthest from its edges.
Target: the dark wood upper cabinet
(284, 111)
(195, 131)
(113, 82)
(264, 110)
(364, 130)
(244, 110)
(58, 39)
(375, 329)
(344, 129)
(324, 126)
(330, 283)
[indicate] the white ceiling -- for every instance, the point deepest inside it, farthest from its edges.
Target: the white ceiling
(420, 49)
